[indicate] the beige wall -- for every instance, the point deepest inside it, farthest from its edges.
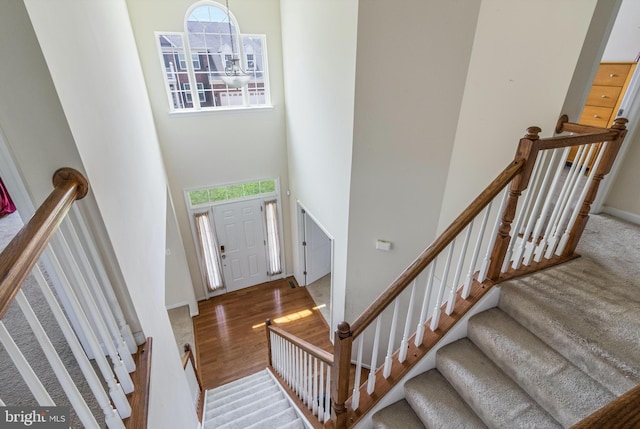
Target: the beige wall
(319, 46)
(91, 55)
(412, 62)
(523, 60)
(209, 148)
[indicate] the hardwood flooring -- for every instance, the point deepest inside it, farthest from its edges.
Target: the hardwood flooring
(230, 337)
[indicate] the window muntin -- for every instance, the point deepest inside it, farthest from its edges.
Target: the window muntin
(171, 49)
(209, 45)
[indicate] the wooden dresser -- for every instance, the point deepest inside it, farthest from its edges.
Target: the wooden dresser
(607, 91)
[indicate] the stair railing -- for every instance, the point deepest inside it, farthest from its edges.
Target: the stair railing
(193, 377)
(96, 330)
(304, 370)
(538, 207)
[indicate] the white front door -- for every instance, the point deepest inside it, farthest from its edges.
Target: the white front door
(240, 231)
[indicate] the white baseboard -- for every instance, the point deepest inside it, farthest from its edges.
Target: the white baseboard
(621, 214)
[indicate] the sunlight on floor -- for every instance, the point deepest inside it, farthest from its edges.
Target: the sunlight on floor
(289, 317)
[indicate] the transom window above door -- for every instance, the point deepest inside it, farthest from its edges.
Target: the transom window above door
(211, 39)
(231, 192)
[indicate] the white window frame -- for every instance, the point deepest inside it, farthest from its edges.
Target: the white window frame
(193, 209)
(190, 67)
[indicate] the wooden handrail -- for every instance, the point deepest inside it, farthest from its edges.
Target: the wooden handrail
(188, 357)
(429, 254)
(139, 398)
(304, 345)
(622, 413)
(22, 253)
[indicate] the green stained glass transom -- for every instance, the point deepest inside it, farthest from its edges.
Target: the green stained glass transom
(231, 192)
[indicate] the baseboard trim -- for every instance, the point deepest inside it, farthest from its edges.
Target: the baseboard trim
(621, 214)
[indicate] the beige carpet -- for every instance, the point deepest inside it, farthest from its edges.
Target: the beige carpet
(563, 342)
(182, 325)
(320, 292)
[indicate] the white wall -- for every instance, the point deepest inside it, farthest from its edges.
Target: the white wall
(91, 55)
(210, 148)
(178, 287)
(623, 198)
(523, 59)
(319, 49)
(624, 41)
(412, 61)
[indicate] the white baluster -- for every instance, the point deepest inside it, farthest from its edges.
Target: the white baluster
(425, 305)
(520, 253)
(538, 249)
(69, 387)
(116, 391)
(355, 396)
(392, 336)
(103, 306)
(562, 200)
(305, 375)
(404, 345)
(484, 268)
(112, 418)
(327, 402)
(566, 212)
(515, 230)
(287, 356)
(435, 316)
(456, 278)
(25, 370)
(466, 289)
(92, 310)
(310, 381)
(314, 394)
(576, 210)
(371, 382)
(107, 287)
(321, 399)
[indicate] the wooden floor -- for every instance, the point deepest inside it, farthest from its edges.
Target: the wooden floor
(230, 335)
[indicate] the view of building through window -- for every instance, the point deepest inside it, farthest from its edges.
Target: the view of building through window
(211, 41)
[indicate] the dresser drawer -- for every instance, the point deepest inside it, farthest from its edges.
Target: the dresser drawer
(596, 116)
(612, 74)
(603, 96)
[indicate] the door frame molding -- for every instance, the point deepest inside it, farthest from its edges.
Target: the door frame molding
(298, 273)
(209, 206)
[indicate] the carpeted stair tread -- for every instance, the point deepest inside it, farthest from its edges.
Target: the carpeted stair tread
(257, 401)
(563, 390)
(296, 424)
(237, 385)
(604, 341)
(398, 415)
(493, 396)
(243, 406)
(437, 404)
(264, 388)
(257, 421)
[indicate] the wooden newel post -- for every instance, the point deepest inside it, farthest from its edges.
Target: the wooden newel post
(267, 323)
(606, 162)
(528, 151)
(340, 374)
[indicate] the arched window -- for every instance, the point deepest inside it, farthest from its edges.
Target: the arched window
(212, 41)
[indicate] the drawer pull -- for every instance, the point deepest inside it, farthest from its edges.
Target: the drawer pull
(596, 116)
(603, 96)
(612, 75)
